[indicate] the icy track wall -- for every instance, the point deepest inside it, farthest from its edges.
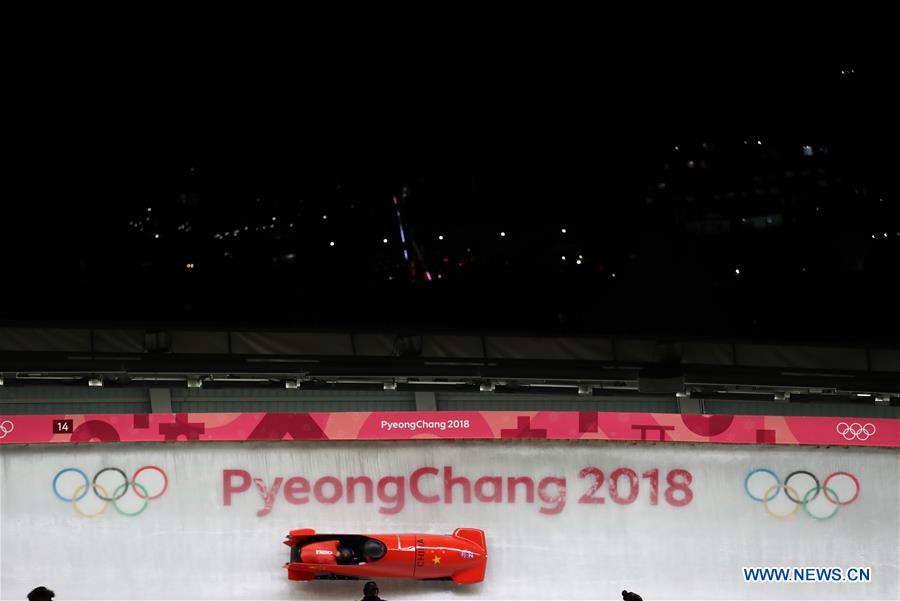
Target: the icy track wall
(563, 520)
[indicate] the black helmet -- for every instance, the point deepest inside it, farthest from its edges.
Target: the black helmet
(370, 588)
(374, 549)
(41, 593)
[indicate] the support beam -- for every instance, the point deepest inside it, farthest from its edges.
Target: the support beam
(160, 400)
(688, 404)
(425, 401)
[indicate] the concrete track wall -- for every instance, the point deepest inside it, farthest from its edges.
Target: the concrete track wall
(216, 531)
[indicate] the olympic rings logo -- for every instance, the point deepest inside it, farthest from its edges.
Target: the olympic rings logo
(855, 430)
(6, 428)
(102, 492)
(804, 500)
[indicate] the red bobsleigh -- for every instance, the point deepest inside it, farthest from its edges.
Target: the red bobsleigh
(460, 557)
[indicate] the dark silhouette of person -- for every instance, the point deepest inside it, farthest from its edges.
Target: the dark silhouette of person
(626, 596)
(41, 593)
(370, 592)
(342, 555)
(346, 556)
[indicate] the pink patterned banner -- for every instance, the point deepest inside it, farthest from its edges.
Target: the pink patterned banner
(654, 427)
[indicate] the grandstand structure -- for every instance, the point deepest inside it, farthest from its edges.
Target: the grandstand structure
(84, 369)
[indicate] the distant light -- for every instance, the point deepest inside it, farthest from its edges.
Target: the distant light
(580, 256)
(759, 142)
(156, 236)
(290, 225)
(331, 243)
(873, 236)
(885, 234)
(563, 230)
(324, 217)
(149, 209)
(440, 237)
(563, 257)
(246, 228)
(691, 164)
(578, 261)
(613, 274)
(737, 271)
(503, 234)
(95, 382)
(189, 266)
(468, 250)
(274, 218)
(676, 148)
(807, 151)
(384, 240)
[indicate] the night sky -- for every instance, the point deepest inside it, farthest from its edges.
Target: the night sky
(718, 171)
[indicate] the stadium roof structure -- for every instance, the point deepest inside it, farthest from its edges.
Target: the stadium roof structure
(386, 360)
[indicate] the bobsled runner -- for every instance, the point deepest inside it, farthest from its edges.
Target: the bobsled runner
(460, 557)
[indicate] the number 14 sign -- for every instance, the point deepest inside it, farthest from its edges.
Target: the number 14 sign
(62, 426)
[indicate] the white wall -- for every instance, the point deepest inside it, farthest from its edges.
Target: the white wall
(189, 545)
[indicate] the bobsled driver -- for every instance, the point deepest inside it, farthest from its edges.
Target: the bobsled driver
(329, 552)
